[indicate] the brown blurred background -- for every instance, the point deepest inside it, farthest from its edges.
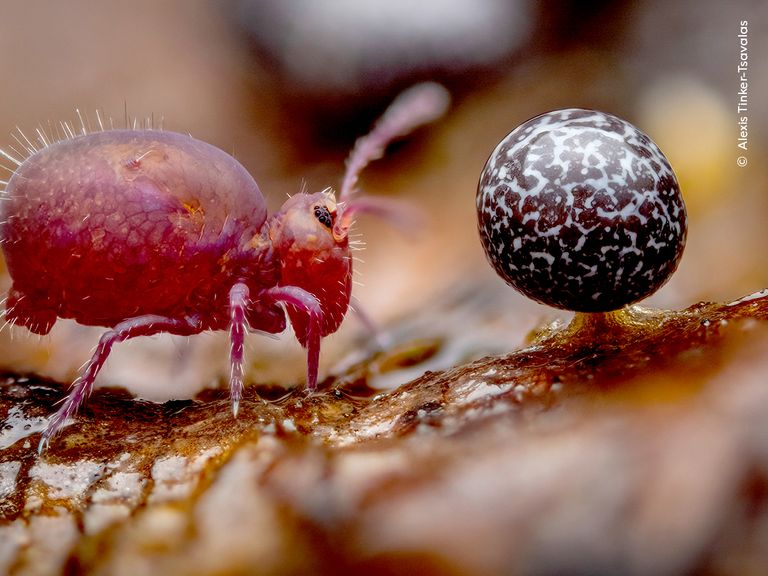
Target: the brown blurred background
(286, 86)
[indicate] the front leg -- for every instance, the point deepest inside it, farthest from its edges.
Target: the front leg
(146, 325)
(305, 302)
(239, 298)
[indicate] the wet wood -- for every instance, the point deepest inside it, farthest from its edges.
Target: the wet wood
(630, 443)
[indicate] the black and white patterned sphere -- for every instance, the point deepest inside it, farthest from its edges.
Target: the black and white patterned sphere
(580, 210)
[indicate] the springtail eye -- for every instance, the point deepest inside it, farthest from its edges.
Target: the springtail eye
(324, 216)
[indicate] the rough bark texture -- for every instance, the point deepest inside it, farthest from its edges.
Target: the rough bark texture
(621, 444)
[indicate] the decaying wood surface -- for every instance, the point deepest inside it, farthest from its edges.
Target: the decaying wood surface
(631, 445)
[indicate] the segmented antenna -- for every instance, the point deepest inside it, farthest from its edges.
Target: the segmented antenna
(420, 104)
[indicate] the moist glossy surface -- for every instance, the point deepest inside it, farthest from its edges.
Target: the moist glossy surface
(588, 446)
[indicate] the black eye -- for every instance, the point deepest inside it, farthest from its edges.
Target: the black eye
(324, 216)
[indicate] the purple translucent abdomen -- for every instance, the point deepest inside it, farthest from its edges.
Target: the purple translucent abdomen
(115, 224)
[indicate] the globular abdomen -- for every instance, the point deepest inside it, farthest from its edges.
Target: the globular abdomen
(115, 224)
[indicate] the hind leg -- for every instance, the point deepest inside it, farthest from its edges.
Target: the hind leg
(81, 388)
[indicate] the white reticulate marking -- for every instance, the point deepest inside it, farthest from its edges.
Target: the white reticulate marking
(580, 188)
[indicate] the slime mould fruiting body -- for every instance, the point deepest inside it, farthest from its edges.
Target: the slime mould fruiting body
(580, 210)
(146, 231)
